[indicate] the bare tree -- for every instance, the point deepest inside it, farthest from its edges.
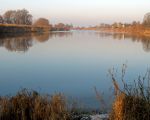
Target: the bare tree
(18, 17)
(8, 16)
(28, 20)
(1, 19)
(23, 17)
(146, 20)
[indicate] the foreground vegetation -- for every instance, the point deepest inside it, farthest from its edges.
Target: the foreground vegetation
(130, 103)
(29, 105)
(133, 101)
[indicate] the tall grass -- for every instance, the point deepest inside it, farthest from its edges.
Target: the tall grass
(133, 101)
(29, 105)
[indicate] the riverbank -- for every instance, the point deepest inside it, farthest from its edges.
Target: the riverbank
(138, 30)
(30, 105)
(13, 28)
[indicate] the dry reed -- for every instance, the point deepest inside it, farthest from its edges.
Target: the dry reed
(29, 105)
(133, 101)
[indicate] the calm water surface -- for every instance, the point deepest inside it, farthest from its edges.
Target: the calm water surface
(70, 62)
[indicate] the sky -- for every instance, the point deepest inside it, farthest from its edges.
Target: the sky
(81, 12)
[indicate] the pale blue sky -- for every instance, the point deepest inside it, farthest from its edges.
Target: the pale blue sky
(82, 12)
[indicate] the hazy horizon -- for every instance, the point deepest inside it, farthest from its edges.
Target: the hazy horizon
(81, 12)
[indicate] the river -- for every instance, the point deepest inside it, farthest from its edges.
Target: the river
(72, 63)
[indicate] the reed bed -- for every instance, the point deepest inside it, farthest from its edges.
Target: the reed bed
(133, 101)
(29, 105)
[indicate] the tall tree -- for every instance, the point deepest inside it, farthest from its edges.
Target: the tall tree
(18, 17)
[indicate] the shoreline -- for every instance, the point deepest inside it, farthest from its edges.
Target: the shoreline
(31, 104)
(13, 28)
(141, 31)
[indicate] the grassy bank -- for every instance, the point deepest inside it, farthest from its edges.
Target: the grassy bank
(15, 28)
(139, 30)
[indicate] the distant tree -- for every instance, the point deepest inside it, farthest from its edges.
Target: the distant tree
(8, 16)
(138, 23)
(146, 20)
(63, 27)
(102, 25)
(60, 26)
(42, 22)
(23, 17)
(115, 25)
(134, 23)
(68, 26)
(18, 17)
(29, 19)
(1, 19)
(127, 24)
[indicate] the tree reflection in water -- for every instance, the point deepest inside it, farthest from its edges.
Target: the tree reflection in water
(16, 42)
(22, 42)
(145, 40)
(41, 37)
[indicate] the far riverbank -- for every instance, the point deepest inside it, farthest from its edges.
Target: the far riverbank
(13, 28)
(140, 30)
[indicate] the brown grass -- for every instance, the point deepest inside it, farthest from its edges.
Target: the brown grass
(15, 25)
(21, 25)
(29, 105)
(133, 102)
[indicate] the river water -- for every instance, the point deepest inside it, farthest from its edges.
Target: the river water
(73, 63)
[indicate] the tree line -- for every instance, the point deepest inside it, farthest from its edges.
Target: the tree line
(23, 17)
(144, 23)
(135, 24)
(16, 17)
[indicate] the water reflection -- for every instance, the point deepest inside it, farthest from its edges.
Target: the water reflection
(16, 42)
(41, 37)
(22, 42)
(145, 40)
(61, 34)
